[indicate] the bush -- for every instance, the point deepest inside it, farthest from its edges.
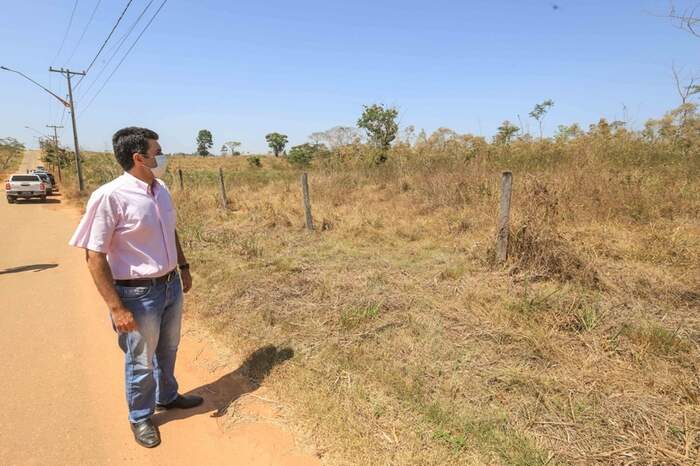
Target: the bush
(255, 161)
(303, 154)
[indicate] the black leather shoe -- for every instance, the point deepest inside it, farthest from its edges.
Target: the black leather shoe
(183, 402)
(146, 433)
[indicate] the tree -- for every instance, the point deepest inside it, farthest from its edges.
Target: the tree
(276, 141)
(686, 19)
(539, 112)
(224, 150)
(380, 124)
(567, 133)
(505, 133)
(336, 137)
(233, 147)
(10, 149)
(205, 141)
(685, 89)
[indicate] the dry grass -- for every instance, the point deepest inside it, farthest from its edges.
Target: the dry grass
(411, 347)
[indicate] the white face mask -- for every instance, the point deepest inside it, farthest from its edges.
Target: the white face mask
(161, 164)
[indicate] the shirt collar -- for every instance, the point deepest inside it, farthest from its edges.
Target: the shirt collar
(142, 184)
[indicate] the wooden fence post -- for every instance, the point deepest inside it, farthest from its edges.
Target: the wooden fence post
(307, 201)
(504, 218)
(179, 174)
(224, 200)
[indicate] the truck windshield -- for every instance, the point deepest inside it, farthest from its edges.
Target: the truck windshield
(25, 178)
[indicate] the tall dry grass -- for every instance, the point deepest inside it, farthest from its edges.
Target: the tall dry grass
(412, 347)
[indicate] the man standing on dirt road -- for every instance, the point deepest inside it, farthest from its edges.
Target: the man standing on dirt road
(133, 252)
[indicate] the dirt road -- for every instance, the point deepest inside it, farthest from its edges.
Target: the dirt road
(62, 372)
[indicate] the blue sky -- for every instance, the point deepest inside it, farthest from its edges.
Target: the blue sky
(244, 69)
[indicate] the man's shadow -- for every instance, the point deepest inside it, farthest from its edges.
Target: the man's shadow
(219, 394)
(28, 268)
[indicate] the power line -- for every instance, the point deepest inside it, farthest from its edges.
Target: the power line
(105, 42)
(92, 15)
(125, 55)
(60, 49)
(65, 36)
(116, 50)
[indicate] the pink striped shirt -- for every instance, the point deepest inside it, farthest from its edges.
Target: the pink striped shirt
(134, 224)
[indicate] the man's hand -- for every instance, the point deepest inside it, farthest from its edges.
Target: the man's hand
(186, 280)
(123, 320)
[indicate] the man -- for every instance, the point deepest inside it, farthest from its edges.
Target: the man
(132, 251)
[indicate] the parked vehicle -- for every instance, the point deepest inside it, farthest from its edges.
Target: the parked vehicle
(51, 180)
(47, 181)
(25, 187)
(54, 186)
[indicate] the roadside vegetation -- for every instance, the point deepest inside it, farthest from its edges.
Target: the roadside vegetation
(11, 152)
(411, 346)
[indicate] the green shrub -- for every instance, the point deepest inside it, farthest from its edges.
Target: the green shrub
(303, 154)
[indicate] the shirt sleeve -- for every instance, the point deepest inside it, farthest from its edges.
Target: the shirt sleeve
(97, 226)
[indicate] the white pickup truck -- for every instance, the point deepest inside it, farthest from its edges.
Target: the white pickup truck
(25, 187)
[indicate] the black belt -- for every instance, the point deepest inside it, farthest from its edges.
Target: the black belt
(147, 281)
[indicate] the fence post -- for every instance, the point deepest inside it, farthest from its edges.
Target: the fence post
(179, 174)
(307, 201)
(504, 217)
(224, 200)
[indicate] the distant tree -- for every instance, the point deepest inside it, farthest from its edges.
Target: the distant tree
(205, 141)
(409, 135)
(539, 112)
(685, 89)
(233, 147)
(505, 133)
(10, 149)
(566, 133)
(224, 150)
(380, 124)
(686, 19)
(336, 137)
(276, 141)
(422, 137)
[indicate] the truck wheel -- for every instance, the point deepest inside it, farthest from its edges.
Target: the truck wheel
(11, 200)
(43, 198)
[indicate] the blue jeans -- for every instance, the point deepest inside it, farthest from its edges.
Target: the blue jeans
(150, 350)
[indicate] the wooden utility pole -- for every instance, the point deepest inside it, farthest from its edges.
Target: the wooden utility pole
(55, 145)
(68, 73)
(55, 133)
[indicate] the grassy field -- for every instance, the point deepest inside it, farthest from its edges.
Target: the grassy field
(412, 347)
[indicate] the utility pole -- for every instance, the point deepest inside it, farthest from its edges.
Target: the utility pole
(55, 133)
(68, 73)
(55, 145)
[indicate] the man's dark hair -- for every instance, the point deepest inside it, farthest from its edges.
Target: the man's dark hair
(126, 141)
